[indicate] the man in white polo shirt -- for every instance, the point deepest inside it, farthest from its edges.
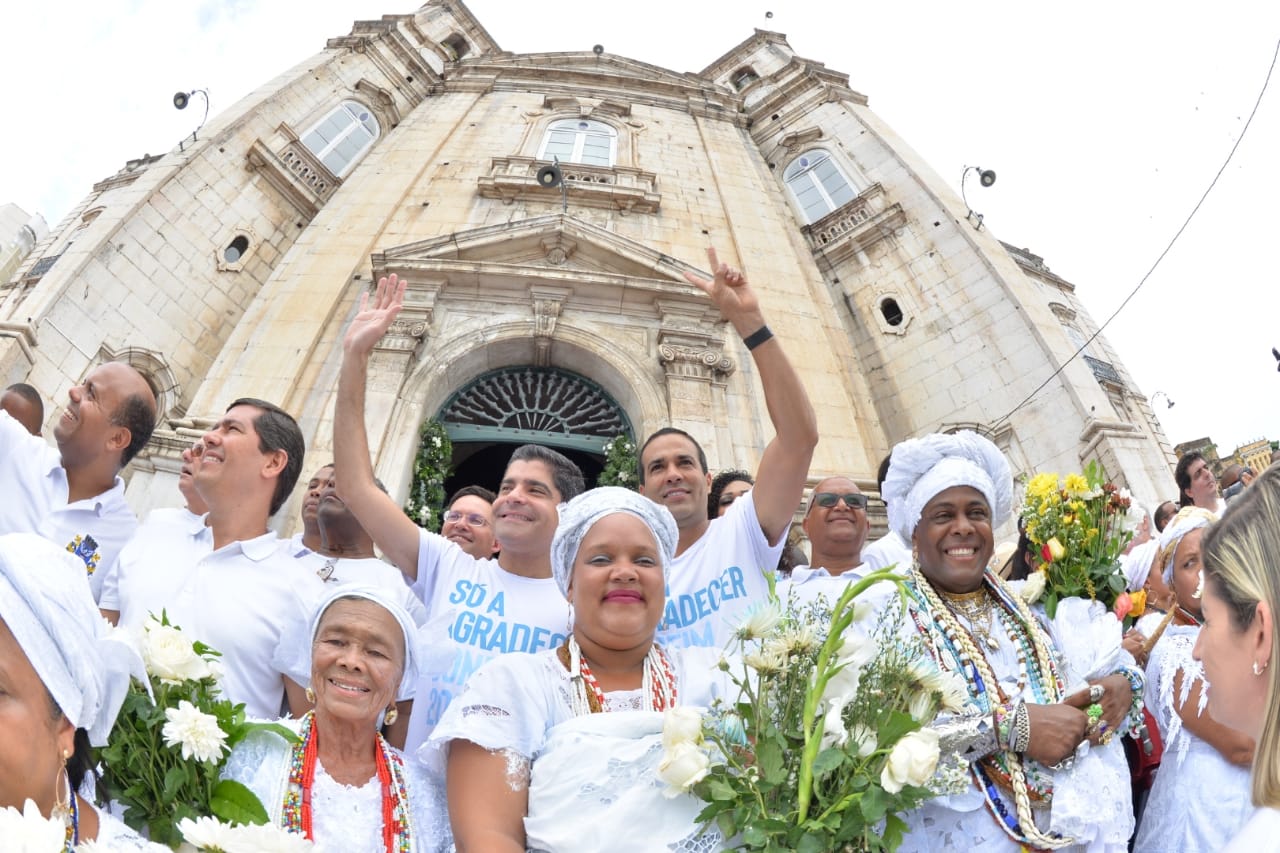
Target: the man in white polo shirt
(479, 607)
(73, 496)
(836, 523)
(231, 583)
(720, 565)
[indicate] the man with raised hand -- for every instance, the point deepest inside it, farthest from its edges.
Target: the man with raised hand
(478, 607)
(73, 496)
(230, 583)
(720, 564)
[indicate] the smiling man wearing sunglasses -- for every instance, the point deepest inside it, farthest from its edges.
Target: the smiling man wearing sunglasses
(836, 523)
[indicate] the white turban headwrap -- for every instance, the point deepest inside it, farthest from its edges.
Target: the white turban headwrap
(580, 514)
(294, 653)
(1189, 518)
(45, 601)
(920, 468)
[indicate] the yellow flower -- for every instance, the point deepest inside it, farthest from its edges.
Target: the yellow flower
(1055, 548)
(1041, 486)
(1075, 485)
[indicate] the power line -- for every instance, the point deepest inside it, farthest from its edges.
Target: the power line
(1183, 227)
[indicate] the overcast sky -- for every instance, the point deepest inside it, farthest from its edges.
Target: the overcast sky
(1104, 121)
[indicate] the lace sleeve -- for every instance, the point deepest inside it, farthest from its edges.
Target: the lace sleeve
(1171, 656)
(507, 705)
(258, 762)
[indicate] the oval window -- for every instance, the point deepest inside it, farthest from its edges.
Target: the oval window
(235, 251)
(892, 313)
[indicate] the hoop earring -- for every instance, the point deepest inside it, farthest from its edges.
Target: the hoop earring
(311, 695)
(389, 718)
(1258, 670)
(62, 793)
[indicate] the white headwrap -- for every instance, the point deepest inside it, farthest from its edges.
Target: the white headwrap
(1137, 564)
(413, 653)
(580, 514)
(1189, 518)
(45, 601)
(920, 468)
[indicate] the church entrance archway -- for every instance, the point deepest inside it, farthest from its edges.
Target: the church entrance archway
(503, 409)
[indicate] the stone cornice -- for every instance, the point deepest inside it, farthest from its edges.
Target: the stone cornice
(740, 53)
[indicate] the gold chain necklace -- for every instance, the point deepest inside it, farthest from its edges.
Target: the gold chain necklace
(977, 609)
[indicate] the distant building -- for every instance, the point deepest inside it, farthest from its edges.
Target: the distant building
(1206, 448)
(1255, 455)
(413, 146)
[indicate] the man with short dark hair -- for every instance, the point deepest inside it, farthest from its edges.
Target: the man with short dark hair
(1164, 512)
(231, 583)
(479, 607)
(74, 496)
(720, 565)
(1197, 484)
(308, 540)
(24, 405)
(468, 522)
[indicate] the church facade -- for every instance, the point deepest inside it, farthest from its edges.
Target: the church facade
(560, 314)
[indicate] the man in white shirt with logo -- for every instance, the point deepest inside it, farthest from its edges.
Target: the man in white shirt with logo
(73, 496)
(720, 565)
(479, 607)
(231, 583)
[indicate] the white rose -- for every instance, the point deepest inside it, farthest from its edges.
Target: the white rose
(681, 725)
(683, 766)
(911, 761)
(28, 831)
(195, 731)
(169, 655)
(1033, 588)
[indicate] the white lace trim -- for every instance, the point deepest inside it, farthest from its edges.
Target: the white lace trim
(350, 814)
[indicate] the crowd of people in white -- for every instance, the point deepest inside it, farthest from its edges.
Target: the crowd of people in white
(494, 686)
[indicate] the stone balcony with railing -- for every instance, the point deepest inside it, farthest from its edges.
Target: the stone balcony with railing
(1104, 371)
(855, 226)
(294, 171)
(612, 187)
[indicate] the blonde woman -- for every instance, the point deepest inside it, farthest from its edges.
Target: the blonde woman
(1238, 644)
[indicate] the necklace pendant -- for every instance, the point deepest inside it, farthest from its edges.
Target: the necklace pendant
(992, 644)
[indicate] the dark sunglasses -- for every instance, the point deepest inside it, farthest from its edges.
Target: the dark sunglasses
(826, 500)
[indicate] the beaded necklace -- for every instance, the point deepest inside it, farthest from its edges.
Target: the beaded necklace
(397, 834)
(73, 820)
(1036, 664)
(657, 684)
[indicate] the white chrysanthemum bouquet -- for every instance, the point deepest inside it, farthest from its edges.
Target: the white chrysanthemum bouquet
(165, 754)
(827, 742)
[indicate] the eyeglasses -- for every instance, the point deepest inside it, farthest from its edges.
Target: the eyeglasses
(826, 500)
(475, 519)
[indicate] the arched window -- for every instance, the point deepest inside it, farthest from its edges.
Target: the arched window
(592, 143)
(343, 136)
(818, 185)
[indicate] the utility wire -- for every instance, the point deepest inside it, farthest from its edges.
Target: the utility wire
(1183, 227)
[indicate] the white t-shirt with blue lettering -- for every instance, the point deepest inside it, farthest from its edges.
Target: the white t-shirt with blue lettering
(713, 583)
(477, 610)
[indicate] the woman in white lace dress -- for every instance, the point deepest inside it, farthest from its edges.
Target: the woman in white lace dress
(62, 680)
(342, 785)
(1038, 763)
(1238, 644)
(558, 751)
(1204, 761)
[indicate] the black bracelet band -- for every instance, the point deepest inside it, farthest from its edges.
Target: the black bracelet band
(758, 337)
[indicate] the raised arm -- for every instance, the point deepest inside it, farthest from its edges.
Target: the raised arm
(785, 463)
(392, 531)
(486, 806)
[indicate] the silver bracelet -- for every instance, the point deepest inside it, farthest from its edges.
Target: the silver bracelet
(1021, 728)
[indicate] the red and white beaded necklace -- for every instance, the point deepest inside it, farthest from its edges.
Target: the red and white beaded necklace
(657, 684)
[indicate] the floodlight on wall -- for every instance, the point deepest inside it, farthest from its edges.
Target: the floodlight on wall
(180, 101)
(598, 49)
(986, 178)
(1152, 401)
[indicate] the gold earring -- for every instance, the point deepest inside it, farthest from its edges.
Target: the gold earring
(62, 793)
(389, 719)
(1258, 670)
(311, 695)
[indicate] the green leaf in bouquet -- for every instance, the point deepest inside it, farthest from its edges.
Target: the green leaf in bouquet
(769, 759)
(162, 830)
(1051, 603)
(894, 830)
(174, 779)
(232, 802)
(810, 843)
(721, 790)
(875, 803)
(895, 725)
(827, 761)
(754, 835)
(1117, 583)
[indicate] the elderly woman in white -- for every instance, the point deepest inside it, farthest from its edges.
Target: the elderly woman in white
(62, 681)
(559, 751)
(1038, 691)
(342, 785)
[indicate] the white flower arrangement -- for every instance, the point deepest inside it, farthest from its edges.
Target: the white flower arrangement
(28, 831)
(181, 706)
(213, 836)
(826, 743)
